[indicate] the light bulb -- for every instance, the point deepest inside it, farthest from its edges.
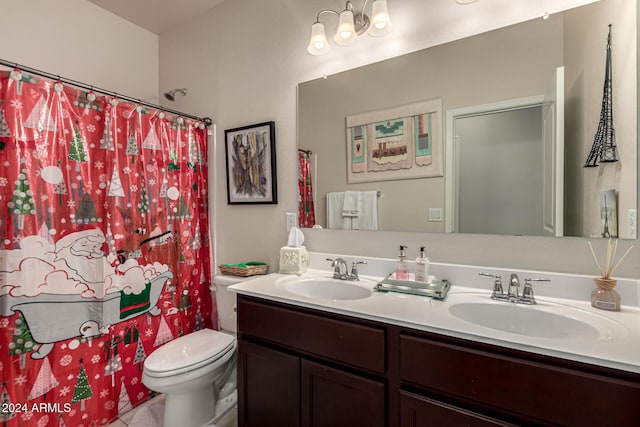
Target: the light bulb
(346, 34)
(380, 22)
(318, 43)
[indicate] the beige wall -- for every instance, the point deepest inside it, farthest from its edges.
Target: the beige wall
(80, 41)
(509, 63)
(242, 62)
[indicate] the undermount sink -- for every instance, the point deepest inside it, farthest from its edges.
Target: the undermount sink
(326, 288)
(548, 321)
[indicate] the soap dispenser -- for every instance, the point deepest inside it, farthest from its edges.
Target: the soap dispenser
(422, 267)
(402, 270)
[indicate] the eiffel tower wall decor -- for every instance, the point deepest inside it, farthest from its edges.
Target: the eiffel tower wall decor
(604, 149)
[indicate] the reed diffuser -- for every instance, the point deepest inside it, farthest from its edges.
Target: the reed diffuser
(604, 295)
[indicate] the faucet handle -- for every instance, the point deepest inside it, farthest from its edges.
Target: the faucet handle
(354, 269)
(527, 292)
(540, 279)
(498, 292)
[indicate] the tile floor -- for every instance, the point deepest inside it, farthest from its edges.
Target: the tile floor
(229, 420)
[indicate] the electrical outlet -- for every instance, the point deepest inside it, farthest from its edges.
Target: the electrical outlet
(435, 215)
(292, 220)
(632, 223)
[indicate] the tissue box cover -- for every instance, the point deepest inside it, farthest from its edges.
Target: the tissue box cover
(293, 260)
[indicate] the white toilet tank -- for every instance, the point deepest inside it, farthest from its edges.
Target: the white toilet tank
(226, 301)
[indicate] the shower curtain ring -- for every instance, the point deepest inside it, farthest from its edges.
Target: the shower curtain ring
(90, 95)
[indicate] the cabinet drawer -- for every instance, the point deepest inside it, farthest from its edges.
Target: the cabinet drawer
(346, 342)
(419, 411)
(532, 390)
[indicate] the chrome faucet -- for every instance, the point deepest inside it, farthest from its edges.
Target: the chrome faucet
(340, 269)
(513, 292)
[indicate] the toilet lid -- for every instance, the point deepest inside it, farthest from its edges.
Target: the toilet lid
(189, 350)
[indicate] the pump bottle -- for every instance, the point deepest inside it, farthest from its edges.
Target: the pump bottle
(422, 267)
(402, 269)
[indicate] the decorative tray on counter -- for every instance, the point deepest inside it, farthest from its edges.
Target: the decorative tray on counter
(434, 288)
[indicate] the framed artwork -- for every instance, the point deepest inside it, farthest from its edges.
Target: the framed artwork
(397, 143)
(251, 164)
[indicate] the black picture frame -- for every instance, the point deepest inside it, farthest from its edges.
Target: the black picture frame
(250, 157)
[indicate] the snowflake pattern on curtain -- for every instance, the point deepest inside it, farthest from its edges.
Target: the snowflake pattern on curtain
(104, 251)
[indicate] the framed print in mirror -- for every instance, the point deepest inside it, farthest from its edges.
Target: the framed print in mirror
(397, 143)
(251, 164)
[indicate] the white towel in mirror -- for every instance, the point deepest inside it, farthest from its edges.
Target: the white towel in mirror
(367, 218)
(351, 205)
(367, 207)
(335, 202)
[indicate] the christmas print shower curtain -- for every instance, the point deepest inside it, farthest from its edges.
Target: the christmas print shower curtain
(306, 211)
(104, 251)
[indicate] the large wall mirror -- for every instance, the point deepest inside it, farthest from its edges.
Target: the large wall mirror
(500, 174)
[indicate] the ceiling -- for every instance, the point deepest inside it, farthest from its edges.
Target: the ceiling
(157, 16)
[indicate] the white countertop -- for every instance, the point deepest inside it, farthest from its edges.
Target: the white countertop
(620, 350)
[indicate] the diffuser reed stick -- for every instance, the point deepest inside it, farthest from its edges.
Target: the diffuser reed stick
(610, 264)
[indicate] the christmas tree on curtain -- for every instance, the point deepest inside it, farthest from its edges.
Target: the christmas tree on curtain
(132, 146)
(140, 355)
(22, 202)
(164, 333)
(45, 381)
(40, 117)
(106, 142)
(4, 127)
(82, 391)
(22, 343)
(151, 142)
(76, 150)
(124, 402)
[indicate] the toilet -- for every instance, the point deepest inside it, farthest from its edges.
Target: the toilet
(197, 371)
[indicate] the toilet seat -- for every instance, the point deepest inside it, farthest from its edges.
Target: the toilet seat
(189, 352)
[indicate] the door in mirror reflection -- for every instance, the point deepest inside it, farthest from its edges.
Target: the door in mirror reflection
(495, 150)
(508, 165)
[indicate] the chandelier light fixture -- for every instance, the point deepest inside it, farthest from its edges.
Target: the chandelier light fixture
(351, 24)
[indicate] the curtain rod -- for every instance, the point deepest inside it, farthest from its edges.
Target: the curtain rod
(206, 120)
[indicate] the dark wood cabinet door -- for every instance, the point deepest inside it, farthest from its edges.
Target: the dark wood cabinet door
(334, 398)
(537, 391)
(268, 387)
(419, 411)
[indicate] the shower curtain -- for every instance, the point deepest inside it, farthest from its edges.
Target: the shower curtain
(104, 251)
(306, 211)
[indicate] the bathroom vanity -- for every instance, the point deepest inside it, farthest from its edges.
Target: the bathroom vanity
(306, 361)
